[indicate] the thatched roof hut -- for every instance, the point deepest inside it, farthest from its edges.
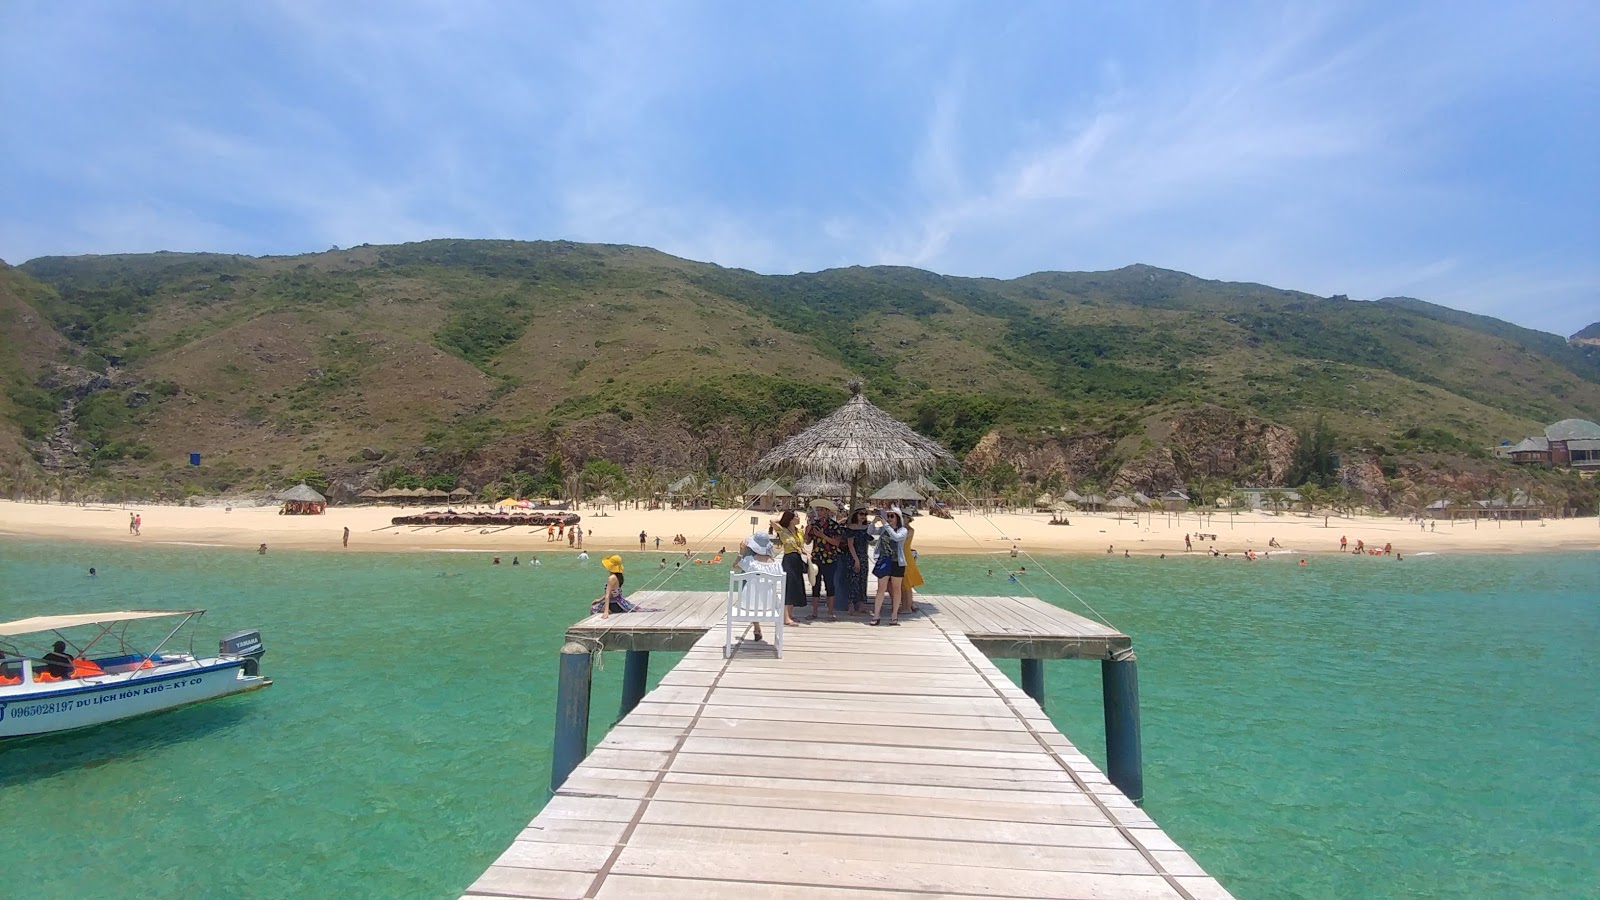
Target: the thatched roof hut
(767, 495)
(460, 492)
(857, 442)
(1071, 496)
(392, 493)
(1122, 503)
(370, 494)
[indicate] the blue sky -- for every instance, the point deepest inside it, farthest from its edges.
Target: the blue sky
(1445, 151)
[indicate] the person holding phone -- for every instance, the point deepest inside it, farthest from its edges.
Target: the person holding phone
(890, 530)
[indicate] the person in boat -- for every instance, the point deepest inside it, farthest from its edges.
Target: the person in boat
(58, 662)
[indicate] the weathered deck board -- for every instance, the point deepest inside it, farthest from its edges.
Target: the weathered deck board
(866, 763)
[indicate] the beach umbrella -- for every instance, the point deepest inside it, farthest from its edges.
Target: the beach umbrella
(460, 492)
(392, 492)
(1122, 503)
(369, 494)
(820, 487)
(507, 502)
(1071, 497)
(303, 493)
(855, 443)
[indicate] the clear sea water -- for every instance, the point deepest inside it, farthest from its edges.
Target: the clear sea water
(1355, 728)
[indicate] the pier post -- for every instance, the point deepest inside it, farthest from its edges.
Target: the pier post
(1033, 680)
(1119, 681)
(572, 713)
(635, 672)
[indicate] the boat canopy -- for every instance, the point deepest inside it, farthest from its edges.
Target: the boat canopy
(53, 623)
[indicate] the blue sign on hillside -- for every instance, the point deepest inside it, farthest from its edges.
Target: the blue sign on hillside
(194, 459)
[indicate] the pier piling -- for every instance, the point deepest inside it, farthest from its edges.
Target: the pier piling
(635, 673)
(1033, 680)
(572, 712)
(1119, 680)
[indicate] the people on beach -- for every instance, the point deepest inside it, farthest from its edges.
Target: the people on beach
(641, 540)
(550, 533)
(347, 537)
(262, 550)
(1343, 543)
(1187, 546)
(1273, 542)
(578, 530)
(130, 523)
(572, 537)
(658, 542)
(138, 523)
(889, 529)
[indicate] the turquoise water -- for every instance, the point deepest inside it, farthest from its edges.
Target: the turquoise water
(1354, 728)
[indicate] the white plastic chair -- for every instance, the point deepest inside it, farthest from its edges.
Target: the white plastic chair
(755, 597)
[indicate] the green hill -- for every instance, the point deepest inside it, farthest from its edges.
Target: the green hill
(482, 358)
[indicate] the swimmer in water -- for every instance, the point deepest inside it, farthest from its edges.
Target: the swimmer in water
(533, 561)
(92, 572)
(583, 555)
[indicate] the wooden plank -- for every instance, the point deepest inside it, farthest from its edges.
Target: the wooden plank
(786, 798)
(900, 848)
(740, 864)
(669, 888)
(876, 824)
(507, 881)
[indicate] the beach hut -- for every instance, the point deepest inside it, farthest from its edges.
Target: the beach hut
(1141, 498)
(812, 486)
(856, 443)
(460, 493)
(768, 495)
(302, 500)
(370, 494)
(1092, 502)
(899, 493)
(1044, 501)
(1070, 496)
(1174, 501)
(688, 493)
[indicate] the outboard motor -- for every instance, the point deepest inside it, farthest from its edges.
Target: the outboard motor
(245, 644)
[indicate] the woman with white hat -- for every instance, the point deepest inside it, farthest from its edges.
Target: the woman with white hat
(757, 553)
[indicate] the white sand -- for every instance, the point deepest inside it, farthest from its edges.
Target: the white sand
(709, 530)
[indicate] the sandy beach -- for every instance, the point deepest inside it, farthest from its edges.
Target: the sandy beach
(710, 530)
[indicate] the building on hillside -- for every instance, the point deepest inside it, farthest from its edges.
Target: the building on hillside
(1531, 451)
(1574, 443)
(1520, 506)
(768, 496)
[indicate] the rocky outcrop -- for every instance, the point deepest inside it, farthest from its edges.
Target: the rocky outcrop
(1216, 442)
(75, 382)
(1074, 456)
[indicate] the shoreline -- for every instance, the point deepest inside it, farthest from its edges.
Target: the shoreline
(1147, 535)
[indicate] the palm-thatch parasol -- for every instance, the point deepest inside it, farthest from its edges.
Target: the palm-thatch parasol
(1071, 497)
(813, 486)
(1122, 503)
(896, 491)
(303, 493)
(461, 492)
(392, 493)
(370, 494)
(858, 441)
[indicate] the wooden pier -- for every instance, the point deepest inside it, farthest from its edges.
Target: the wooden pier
(865, 763)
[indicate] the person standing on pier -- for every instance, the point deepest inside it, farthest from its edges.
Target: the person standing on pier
(890, 531)
(792, 544)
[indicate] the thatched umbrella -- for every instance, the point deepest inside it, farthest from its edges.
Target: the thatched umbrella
(370, 494)
(1071, 497)
(392, 493)
(304, 493)
(459, 493)
(857, 442)
(813, 486)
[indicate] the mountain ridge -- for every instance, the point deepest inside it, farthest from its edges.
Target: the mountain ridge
(495, 353)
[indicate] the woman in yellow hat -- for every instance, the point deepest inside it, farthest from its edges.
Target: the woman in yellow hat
(613, 601)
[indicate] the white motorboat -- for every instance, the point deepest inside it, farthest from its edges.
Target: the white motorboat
(71, 686)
